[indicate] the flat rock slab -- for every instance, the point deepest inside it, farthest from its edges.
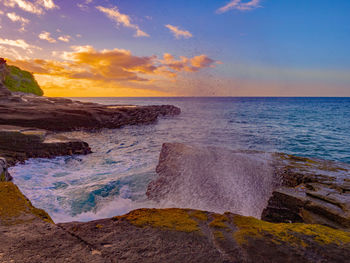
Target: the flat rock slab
(60, 114)
(173, 235)
(21, 143)
(276, 187)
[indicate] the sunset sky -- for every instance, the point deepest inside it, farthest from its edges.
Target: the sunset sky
(180, 48)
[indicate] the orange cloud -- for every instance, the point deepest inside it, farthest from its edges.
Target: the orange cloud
(116, 68)
(84, 62)
(188, 64)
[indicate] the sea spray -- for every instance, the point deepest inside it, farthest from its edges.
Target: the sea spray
(213, 179)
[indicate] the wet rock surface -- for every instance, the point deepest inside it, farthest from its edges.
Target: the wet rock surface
(293, 189)
(172, 235)
(17, 144)
(60, 114)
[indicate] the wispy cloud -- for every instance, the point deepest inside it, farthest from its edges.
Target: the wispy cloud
(17, 18)
(239, 5)
(47, 36)
(179, 33)
(35, 7)
(122, 19)
(65, 38)
(84, 6)
(19, 43)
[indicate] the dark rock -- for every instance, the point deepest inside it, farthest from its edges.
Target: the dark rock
(59, 114)
(4, 174)
(277, 187)
(314, 191)
(17, 144)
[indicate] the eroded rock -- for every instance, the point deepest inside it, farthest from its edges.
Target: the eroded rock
(277, 187)
(214, 179)
(313, 191)
(60, 114)
(160, 235)
(4, 174)
(19, 144)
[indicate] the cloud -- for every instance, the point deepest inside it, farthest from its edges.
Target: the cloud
(187, 64)
(116, 65)
(178, 33)
(65, 38)
(37, 7)
(19, 43)
(121, 19)
(84, 6)
(47, 36)
(239, 5)
(16, 18)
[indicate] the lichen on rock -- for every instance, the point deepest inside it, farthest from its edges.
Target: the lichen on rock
(15, 208)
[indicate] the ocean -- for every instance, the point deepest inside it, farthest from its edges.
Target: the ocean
(113, 179)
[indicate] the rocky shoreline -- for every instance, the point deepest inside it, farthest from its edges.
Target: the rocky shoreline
(180, 235)
(306, 201)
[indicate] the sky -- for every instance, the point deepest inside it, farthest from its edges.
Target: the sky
(137, 48)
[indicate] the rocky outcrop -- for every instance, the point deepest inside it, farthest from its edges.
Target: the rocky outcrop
(160, 235)
(27, 234)
(277, 187)
(172, 235)
(17, 144)
(59, 114)
(212, 178)
(4, 174)
(313, 191)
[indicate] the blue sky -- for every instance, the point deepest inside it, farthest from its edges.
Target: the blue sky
(254, 48)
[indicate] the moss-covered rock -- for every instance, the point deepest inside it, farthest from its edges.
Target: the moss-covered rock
(15, 208)
(185, 235)
(20, 80)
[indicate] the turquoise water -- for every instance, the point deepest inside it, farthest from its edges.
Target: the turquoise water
(114, 178)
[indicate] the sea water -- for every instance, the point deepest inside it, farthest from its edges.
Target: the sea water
(114, 178)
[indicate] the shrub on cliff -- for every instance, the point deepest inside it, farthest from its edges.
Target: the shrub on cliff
(21, 80)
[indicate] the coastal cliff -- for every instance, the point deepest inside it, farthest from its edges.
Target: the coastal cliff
(18, 80)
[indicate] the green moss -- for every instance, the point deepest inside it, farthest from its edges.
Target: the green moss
(169, 219)
(15, 208)
(2, 177)
(21, 80)
(295, 234)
